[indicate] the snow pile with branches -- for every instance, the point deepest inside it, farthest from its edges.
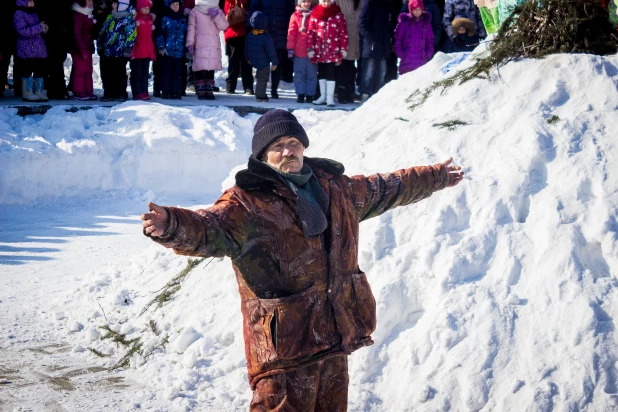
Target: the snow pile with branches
(499, 294)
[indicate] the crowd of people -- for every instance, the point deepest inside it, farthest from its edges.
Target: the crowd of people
(327, 49)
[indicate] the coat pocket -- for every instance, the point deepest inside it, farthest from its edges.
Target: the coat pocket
(365, 316)
(287, 328)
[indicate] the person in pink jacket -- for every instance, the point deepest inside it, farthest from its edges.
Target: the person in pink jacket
(143, 51)
(305, 72)
(206, 20)
(83, 36)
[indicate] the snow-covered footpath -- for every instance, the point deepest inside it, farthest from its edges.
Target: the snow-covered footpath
(497, 295)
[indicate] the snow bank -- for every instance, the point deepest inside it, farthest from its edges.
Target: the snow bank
(132, 149)
(499, 294)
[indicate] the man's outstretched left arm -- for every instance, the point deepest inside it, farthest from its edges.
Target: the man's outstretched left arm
(375, 194)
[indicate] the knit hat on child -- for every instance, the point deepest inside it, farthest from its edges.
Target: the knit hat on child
(123, 5)
(415, 4)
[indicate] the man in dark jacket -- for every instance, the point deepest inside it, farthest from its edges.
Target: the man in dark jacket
(376, 23)
(291, 227)
(278, 13)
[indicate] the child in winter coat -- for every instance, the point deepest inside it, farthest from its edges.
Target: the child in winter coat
(30, 50)
(465, 39)
(143, 51)
(206, 20)
(116, 41)
(83, 37)
(260, 52)
(327, 45)
(305, 72)
(170, 42)
(413, 37)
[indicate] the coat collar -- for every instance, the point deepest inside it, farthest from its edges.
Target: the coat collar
(257, 175)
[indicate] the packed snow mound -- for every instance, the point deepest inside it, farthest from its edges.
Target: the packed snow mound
(131, 149)
(499, 294)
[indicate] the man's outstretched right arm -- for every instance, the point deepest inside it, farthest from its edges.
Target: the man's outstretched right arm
(193, 233)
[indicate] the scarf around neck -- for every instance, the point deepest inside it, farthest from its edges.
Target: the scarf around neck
(305, 13)
(324, 13)
(311, 200)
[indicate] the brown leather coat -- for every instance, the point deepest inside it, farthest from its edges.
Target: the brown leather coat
(302, 299)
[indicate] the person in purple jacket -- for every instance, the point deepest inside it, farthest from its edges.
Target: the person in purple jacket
(30, 50)
(413, 37)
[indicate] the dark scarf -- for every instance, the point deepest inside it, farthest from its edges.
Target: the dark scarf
(311, 200)
(323, 13)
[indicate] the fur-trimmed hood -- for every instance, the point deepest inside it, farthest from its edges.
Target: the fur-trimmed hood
(461, 21)
(425, 17)
(258, 175)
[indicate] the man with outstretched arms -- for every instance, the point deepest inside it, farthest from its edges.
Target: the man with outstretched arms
(291, 226)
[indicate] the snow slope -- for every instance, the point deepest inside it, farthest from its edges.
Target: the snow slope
(499, 294)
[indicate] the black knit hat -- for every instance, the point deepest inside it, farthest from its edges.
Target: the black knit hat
(271, 126)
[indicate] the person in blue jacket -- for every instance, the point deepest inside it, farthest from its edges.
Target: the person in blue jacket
(260, 52)
(170, 37)
(376, 23)
(115, 43)
(277, 14)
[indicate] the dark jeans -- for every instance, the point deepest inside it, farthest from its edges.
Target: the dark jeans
(170, 71)
(32, 67)
(327, 71)
(374, 72)
(157, 80)
(237, 65)
(114, 76)
(285, 70)
(140, 70)
(261, 77)
(391, 69)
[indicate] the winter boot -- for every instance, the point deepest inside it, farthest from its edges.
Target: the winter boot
(322, 98)
(26, 90)
(300, 98)
(200, 89)
(39, 89)
(309, 99)
(210, 88)
(330, 90)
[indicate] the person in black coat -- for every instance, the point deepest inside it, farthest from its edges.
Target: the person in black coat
(376, 23)
(7, 42)
(58, 16)
(277, 13)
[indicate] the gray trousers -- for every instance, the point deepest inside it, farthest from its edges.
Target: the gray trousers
(261, 77)
(305, 76)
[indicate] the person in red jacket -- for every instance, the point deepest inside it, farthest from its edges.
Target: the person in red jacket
(327, 45)
(143, 51)
(83, 27)
(235, 50)
(305, 72)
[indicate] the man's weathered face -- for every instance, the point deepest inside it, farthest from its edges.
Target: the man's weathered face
(285, 154)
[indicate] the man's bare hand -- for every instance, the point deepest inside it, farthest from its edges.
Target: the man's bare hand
(156, 221)
(454, 174)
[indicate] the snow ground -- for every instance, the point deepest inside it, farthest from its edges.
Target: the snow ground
(498, 295)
